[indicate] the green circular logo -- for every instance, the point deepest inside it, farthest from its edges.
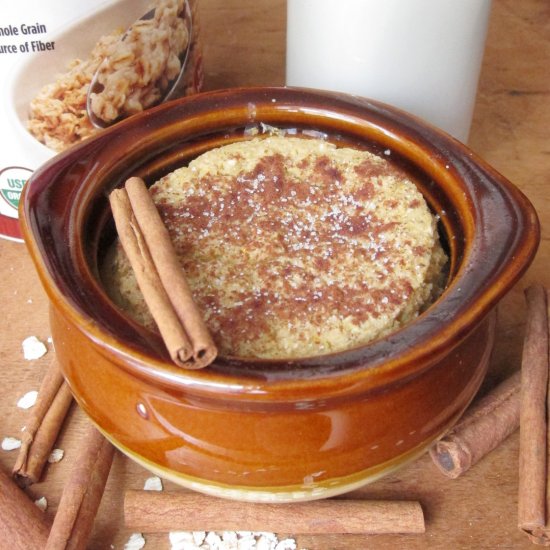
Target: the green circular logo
(12, 180)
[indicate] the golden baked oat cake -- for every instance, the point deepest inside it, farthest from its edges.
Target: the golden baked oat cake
(294, 247)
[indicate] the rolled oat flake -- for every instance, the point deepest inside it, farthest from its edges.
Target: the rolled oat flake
(50, 50)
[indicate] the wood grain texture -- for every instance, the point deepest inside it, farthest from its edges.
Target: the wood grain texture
(244, 44)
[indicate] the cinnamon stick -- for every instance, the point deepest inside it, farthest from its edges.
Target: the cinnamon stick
(82, 494)
(533, 459)
(148, 511)
(169, 269)
(482, 428)
(23, 526)
(42, 429)
(160, 277)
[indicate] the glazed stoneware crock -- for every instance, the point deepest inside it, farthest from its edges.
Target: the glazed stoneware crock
(274, 430)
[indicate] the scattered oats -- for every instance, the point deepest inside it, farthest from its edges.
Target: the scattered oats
(56, 455)
(33, 348)
(182, 540)
(10, 443)
(213, 539)
(246, 542)
(179, 538)
(153, 484)
(265, 543)
(199, 536)
(387, 152)
(286, 544)
(135, 542)
(186, 545)
(28, 400)
(228, 540)
(42, 503)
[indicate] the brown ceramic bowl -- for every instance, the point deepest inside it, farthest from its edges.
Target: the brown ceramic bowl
(275, 430)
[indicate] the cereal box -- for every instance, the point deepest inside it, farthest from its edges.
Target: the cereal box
(70, 69)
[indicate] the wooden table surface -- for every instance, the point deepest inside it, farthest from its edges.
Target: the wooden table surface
(244, 44)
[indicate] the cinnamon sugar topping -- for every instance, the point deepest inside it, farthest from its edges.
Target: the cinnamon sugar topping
(294, 247)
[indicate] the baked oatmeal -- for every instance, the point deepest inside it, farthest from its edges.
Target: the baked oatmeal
(294, 247)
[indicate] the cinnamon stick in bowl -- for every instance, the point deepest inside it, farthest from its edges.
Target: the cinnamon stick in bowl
(160, 277)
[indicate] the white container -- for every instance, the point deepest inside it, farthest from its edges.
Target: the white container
(38, 41)
(423, 56)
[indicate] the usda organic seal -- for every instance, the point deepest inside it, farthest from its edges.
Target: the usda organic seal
(12, 180)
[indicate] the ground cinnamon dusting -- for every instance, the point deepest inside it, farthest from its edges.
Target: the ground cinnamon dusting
(290, 252)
